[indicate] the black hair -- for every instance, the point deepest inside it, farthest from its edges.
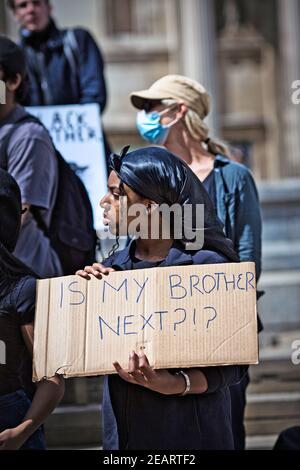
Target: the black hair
(22, 90)
(11, 271)
(13, 62)
(11, 4)
(161, 176)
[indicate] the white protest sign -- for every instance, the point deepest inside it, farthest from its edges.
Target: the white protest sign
(77, 133)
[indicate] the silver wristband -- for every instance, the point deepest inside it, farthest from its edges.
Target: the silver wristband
(187, 382)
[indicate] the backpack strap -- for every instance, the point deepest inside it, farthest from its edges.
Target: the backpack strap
(71, 51)
(227, 193)
(37, 65)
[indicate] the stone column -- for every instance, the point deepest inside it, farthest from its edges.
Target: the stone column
(198, 49)
(289, 41)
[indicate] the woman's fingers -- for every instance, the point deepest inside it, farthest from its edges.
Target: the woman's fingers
(134, 374)
(133, 368)
(102, 269)
(97, 270)
(133, 362)
(83, 274)
(123, 374)
(93, 272)
(145, 367)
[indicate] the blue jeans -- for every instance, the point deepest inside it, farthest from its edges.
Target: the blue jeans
(13, 408)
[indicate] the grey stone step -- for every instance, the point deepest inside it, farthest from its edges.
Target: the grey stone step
(279, 308)
(74, 426)
(269, 426)
(258, 442)
(282, 405)
(280, 202)
(273, 398)
(282, 191)
(278, 346)
(280, 255)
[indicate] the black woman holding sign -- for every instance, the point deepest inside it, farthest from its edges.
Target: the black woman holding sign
(20, 419)
(163, 409)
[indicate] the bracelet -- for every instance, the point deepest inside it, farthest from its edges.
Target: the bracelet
(187, 382)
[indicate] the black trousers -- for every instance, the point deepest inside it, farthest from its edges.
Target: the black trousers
(289, 439)
(238, 405)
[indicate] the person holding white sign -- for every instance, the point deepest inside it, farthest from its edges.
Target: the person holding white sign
(145, 408)
(172, 112)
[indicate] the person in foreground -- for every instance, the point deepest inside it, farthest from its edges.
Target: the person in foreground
(145, 408)
(20, 419)
(172, 113)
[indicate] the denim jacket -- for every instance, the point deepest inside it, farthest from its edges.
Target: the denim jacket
(239, 209)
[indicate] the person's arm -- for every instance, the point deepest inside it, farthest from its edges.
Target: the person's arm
(47, 397)
(91, 73)
(219, 377)
(202, 380)
(248, 223)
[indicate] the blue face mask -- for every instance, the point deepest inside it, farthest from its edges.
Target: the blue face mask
(150, 128)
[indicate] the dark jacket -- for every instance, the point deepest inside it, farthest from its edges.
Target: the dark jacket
(239, 209)
(149, 420)
(17, 308)
(51, 77)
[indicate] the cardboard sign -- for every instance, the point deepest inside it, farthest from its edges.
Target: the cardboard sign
(76, 132)
(181, 316)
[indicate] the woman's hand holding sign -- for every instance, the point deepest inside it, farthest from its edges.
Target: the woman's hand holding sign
(97, 270)
(141, 373)
(162, 381)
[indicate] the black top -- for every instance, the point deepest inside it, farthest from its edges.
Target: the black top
(137, 418)
(59, 77)
(142, 263)
(16, 309)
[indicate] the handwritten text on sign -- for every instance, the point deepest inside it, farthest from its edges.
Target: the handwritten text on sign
(180, 316)
(76, 131)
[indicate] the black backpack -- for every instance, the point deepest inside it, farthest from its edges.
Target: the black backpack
(71, 230)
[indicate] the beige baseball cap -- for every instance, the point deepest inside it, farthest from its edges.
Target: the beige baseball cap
(177, 87)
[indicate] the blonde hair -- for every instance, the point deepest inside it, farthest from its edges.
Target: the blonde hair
(199, 130)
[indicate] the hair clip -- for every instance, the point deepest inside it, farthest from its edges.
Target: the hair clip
(115, 159)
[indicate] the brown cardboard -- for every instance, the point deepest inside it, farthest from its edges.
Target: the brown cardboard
(209, 319)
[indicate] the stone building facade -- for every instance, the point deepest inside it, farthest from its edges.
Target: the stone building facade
(247, 54)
